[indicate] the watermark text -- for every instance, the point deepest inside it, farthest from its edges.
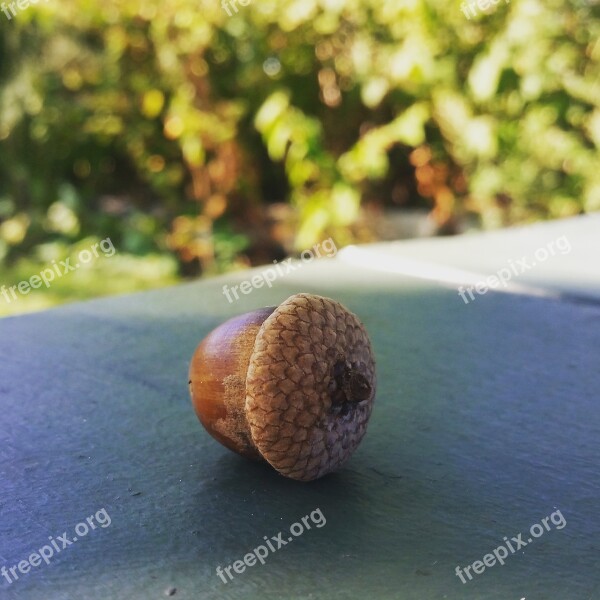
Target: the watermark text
(261, 552)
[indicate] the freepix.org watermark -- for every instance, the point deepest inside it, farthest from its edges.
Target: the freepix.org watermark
(326, 249)
(13, 6)
(470, 9)
(55, 546)
(560, 245)
(229, 5)
(514, 545)
(57, 270)
(261, 552)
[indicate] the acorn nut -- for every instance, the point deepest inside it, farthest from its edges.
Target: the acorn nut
(293, 385)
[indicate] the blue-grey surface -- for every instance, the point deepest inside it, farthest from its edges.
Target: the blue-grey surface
(486, 422)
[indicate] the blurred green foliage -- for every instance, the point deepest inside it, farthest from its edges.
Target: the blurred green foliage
(174, 128)
(102, 276)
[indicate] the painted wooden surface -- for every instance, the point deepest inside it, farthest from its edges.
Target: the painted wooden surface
(486, 422)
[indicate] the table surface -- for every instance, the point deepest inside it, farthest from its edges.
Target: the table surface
(486, 421)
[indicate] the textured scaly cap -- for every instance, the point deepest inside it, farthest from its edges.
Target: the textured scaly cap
(310, 386)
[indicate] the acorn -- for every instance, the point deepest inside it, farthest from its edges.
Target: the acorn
(293, 385)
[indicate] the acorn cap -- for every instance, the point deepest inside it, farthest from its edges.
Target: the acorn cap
(310, 386)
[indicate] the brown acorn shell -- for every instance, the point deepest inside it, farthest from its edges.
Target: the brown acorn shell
(217, 380)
